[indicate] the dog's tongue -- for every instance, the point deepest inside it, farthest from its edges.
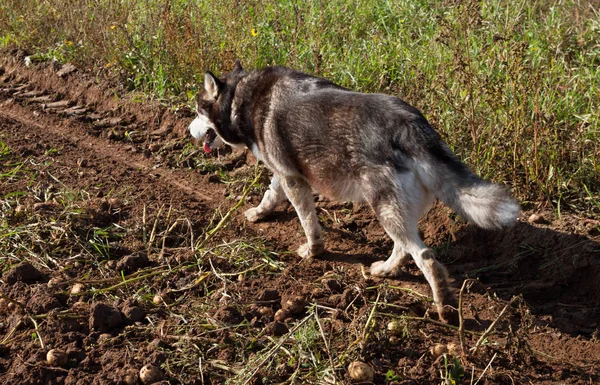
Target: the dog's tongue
(207, 148)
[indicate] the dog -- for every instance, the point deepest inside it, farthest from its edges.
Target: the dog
(315, 135)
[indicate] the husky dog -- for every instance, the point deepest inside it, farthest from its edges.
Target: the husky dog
(315, 135)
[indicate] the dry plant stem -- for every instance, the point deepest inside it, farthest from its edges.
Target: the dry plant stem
(431, 321)
(164, 238)
(201, 371)
(410, 291)
(461, 320)
(365, 337)
(214, 271)
(486, 368)
(144, 234)
(65, 314)
(153, 232)
(191, 235)
(325, 341)
(276, 347)
(10, 334)
(243, 271)
(489, 330)
(37, 332)
(125, 282)
(196, 282)
(115, 279)
(217, 364)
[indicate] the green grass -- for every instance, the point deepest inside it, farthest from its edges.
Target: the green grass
(511, 86)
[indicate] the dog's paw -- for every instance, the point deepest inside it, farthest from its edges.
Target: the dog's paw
(447, 306)
(253, 215)
(379, 269)
(448, 314)
(309, 251)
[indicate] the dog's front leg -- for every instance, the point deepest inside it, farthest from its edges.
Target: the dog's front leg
(299, 193)
(273, 196)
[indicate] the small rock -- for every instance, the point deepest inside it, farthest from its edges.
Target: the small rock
(103, 338)
(161, 298)
(24, 272)
(133, 262)
(157, 358)
(57, 357)
(333, 285)
(276, 329)
(80, 307)
(343, 300)
(438, 350)
(295, 305)
(20, 211)
(133, 314)
(265, 311)
(536, 218)
(395, 328)
(45, 206)
(43, 301)
(150, 374)
(281, 315)
(78, 288)
(131, 377)
(268, 295)
(76, 354)
(55, 282)
(229, 315)
(115, 203)
(452, 348)
(104, 317)
(360, 372)
(156, 344)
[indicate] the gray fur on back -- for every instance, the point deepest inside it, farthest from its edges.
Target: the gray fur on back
(308, 126)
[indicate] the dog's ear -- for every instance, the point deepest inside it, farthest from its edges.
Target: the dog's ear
(237, 67)
(212, 86)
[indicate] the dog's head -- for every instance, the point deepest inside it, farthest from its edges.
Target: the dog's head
(213, 105)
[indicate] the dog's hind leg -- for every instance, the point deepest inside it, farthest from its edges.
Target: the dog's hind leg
(273, 196)
(398, 207)
(300, 195)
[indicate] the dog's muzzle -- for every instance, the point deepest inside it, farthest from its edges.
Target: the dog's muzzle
(203, 128)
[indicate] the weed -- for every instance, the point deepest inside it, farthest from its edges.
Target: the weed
(452, 372)
(391, 376)
(4, 150)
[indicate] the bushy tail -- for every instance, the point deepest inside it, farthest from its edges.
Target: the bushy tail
(485, 204)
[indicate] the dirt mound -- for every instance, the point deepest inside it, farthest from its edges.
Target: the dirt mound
(124, 246)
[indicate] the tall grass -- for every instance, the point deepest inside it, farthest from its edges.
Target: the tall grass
(511, 85)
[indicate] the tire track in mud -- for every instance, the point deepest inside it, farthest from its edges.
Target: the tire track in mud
(101, 149)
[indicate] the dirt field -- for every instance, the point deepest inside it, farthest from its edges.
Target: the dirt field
(126, 246)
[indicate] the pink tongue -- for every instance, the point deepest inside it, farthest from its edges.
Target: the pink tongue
(207, 148)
